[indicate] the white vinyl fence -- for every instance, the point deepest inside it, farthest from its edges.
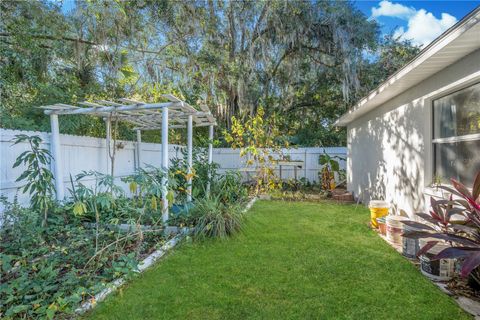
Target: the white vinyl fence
(230, 159)
(86, 153)
(79, 154)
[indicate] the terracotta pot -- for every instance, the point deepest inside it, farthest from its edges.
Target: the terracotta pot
(382, 227)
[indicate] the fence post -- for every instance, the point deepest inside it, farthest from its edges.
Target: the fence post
(189, 156)
(108, 138)
(210, 155)
(138, 147)
(57, 156)
(165, 164)
(305, 164)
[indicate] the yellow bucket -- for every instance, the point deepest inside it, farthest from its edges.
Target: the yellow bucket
(378, 209)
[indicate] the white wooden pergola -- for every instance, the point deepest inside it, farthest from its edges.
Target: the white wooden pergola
(173, 114)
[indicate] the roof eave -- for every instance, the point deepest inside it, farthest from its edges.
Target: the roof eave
(435, 46)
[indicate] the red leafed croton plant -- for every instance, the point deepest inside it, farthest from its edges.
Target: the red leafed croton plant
(463, 236)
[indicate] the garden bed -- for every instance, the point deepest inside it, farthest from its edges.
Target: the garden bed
(57, 256)
(50, 270)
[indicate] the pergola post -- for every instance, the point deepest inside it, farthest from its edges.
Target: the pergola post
(108, 138)
(144, 116)
(189, 156)
(138, 147)
(210, 155)
(165, 163)
(57, 156)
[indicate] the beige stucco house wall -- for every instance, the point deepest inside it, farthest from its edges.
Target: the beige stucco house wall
(389, 132)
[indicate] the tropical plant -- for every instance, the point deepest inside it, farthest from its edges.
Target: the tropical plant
(148, 184)
(203, 173)
(463, 236)
(226, 188)
(94, 200)
(330, 167)
(37, 176)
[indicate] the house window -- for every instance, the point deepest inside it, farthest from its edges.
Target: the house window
(456, 135)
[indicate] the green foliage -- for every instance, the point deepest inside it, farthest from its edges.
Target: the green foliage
(213, 218)
(47, 271)
(257, 139)
(392, 54)
(149, 184)
(202, 173)
(300, 59)
(227, 192)
(330, 166)
(229, 189)
(94, 200)
(37, 176)
(299, 190)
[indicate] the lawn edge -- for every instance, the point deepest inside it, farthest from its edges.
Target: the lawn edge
(143, 265)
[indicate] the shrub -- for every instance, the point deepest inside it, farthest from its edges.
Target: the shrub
(226, 190)
(257, 138)
(214, 219)
(330, 166)
(229, 188)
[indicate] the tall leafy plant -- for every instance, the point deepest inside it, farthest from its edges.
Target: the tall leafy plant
(202, 173)
(229, 189)
(94, 200)
(257, 138)
(330, 166)
(148, 185)
(37, 176)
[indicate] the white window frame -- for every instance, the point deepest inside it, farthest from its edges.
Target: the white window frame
(429, 141)
(462, 138)
(467, 137)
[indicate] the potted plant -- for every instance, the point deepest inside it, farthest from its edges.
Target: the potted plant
(463, 237)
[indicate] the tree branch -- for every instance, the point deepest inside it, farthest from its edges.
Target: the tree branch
(80, 40)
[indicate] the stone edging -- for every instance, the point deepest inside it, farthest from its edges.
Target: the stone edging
(143, 265)
(250, 204)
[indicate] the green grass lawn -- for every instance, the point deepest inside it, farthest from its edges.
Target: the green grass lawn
(292, 261)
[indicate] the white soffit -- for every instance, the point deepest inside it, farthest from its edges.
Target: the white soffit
(455, 43)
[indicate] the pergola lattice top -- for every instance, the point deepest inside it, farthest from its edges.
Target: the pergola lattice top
(145, 116)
